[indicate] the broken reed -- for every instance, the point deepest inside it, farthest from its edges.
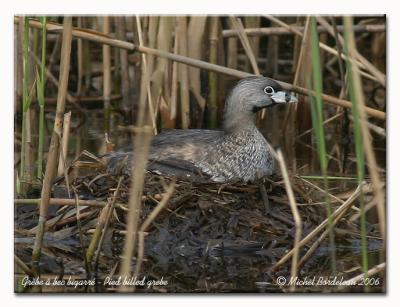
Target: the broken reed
(318, 125)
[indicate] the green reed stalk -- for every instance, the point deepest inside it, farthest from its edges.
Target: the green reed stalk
(318, 125)
(26, 99)
(41, 85)
(359, 146)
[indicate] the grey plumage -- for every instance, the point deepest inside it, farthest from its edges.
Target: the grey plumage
(238, 152)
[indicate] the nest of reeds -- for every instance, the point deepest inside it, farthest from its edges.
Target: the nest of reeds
(209, 237)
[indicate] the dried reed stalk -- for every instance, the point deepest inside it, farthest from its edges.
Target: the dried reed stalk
(19, 24)
(183, 74)
(212, 106)
(80, 67)
(254, 41)
(196, 29)
(152, 37)
(125, 79)
(140, 155)
(106, 76)
(53, 153)
(232, 53)
(110, 211)
(237, 24)
(63, 202)
(40, 93)
(24, 172)
(94, 242)
(160, 75)
(62, 161)
(257, 31)
(100, 38)
(174, 85)
(145, 81)
(296, 217)
(152, 40)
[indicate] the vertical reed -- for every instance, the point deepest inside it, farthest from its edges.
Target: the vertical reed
(51, 166)
(317, 120)
(106, 76)
(356, 95)
(212, 76)
(196, 30)
(62, 161)
(232, 53)
(125, 79)
(183, 72)
(26, 98)
(359, 107)
(174, 81)
(40, 90)
(161, 78)
(139, 162)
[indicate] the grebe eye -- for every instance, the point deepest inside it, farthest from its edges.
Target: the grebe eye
(269, 90)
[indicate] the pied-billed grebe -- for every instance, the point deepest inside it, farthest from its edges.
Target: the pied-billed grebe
(239, 152)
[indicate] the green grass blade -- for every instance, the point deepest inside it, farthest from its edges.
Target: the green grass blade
(359, 147)
(318, 127)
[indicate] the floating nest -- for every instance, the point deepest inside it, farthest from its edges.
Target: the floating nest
(209, 238)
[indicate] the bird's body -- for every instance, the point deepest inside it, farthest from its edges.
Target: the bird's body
(239, 152)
